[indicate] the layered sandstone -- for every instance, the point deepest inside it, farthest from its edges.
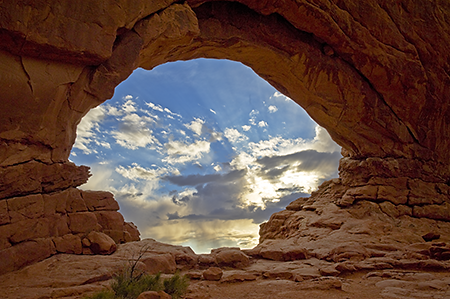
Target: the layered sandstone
(376, 75)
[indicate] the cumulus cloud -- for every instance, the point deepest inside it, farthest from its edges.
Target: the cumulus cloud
(129, 106)
(234, 135)
(87, 130)
(182, 152)
(246, 128)
(134, 129)
(196, 126)
(136, 172)
(262, 124)
(273, 109)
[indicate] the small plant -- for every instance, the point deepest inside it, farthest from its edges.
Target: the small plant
(176, 286)
(131, 282)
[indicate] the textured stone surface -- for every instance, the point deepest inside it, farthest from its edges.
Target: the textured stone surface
(213, 273)
(371, 73)
(353, 276)
(57, 222)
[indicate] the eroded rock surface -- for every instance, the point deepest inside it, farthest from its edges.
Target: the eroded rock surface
(376, 75)
(74, 276)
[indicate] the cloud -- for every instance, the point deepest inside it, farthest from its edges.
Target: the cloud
(135, 137)
(213, 111)
(134, 129)
(155, 107)
(87, 131)
(305, 161)
(182, 152)
(273, 109)
(197, 179)
(234, 135)
(280, 95)
(196, 126)
(136, 172)
(253, 115)
(204, 235)
(246, 128)
(262, 124)
(129, 106)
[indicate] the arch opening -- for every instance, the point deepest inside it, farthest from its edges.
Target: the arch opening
(200, 153)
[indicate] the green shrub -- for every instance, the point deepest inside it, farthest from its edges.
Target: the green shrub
(129, 287)
(130, 283)
(176, 286)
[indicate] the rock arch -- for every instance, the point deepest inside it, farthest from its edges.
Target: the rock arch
(371, 73)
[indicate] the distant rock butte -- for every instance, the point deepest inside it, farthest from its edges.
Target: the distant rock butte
(375, 74)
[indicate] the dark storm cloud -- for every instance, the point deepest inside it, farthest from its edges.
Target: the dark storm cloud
(253, 212)
(180, 201)
(310, 160)
(197, 179)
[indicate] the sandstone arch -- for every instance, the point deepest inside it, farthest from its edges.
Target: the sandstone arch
(371, 73)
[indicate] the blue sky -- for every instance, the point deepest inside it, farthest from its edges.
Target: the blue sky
(199, 153)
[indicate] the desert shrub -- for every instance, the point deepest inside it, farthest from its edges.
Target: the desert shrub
(176, 286)
(131, 282)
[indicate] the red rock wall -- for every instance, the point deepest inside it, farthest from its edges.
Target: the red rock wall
(375, 74)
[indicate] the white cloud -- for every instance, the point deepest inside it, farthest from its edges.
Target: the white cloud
(181, 152)
(262, 124)
(134, 132)
(87, 130)
(246, 128)
(217, 167)
(196, 126)
(135, 139)
(273, 109)
(299, 164)
(281, 96)
(234, 135)
(212, 111)
(155, 107)
(129, 106)
(253, 115)
(136, 172)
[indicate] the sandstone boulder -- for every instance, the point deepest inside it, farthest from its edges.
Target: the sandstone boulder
(213, 273)
(101, 243)
(159, 263)
(230, 257)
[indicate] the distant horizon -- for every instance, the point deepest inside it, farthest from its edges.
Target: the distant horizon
(199, 153)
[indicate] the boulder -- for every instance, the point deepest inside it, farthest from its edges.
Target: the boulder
(230, 257)
(156, 263)
(213, 273)
(101, 243)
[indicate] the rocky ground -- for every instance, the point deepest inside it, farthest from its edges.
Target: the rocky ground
(316, 248)
(233, 273)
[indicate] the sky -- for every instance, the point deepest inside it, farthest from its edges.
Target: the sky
(200, 153)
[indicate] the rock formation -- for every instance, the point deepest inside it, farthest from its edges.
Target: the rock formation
(376, 75)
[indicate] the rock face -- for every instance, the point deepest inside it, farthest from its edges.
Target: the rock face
(376, 75)
(36, 226)
(74, 276)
